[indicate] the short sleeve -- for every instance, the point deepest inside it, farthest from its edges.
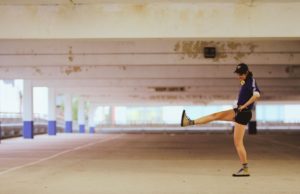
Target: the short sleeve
(254, 86)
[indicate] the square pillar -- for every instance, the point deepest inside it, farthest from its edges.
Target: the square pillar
(28, 126)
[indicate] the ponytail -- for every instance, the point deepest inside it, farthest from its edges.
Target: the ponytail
(250, 74)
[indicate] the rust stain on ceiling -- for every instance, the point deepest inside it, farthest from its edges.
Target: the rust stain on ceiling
(163, 97)
(194, 49)
(239, 56)
(72, 69)
(248, 3)
(184, 15)
(233, 45)
(139, 8)
(38, 70)
(70, 56)
(168, 89)
(191, 49)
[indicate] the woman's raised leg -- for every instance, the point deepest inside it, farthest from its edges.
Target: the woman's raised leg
(227, 115)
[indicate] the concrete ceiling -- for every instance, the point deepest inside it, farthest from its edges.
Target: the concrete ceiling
(148, 52)
(55, 2)
(153, 71)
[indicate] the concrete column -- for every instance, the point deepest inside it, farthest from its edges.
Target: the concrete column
(28, 127)
(51, 112)
(81, 116)
(112, 115)
(252, 125)
(91, 118)
(68, 113)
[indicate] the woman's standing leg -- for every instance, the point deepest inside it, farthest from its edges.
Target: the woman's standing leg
(239, 132)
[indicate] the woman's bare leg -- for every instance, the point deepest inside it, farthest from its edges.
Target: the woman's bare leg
(239, 132)
(227, 115)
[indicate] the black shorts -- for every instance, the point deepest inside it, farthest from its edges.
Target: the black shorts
(242, 117)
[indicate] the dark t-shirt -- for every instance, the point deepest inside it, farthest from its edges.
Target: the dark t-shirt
(246, 91)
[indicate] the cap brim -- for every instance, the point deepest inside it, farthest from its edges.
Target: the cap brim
(236, 71)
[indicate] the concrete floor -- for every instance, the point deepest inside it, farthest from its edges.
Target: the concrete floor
(148, 163)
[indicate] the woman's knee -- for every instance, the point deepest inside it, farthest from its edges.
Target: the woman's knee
(215, 116)
(238, 143)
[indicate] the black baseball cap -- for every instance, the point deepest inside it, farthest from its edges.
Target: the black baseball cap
(241, 68)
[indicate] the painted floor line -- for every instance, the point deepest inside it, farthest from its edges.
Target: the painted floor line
(56, 155)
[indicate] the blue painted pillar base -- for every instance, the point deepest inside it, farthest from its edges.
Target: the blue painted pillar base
(68, 127)
(252, 127)
(51, 127)
(81, 129)
(92, 129)
(28, 129)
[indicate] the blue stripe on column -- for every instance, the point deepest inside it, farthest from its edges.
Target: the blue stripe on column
(81, 128)
(92, 129)
(68, 127)
(28, 129)
(51, 127)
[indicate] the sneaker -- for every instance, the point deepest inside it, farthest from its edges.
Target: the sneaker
(242, 172)
(185, 120)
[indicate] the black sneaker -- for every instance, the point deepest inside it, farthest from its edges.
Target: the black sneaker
(242, 173)
(185, 120)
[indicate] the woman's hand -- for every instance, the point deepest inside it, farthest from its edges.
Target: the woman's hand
(242, 107)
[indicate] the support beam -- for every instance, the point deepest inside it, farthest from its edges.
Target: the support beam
(162, 82)
(126, 52)
(145, 72)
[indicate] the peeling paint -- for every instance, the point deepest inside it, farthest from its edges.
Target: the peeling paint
(139, 8)
(184, 15)
(191, 49)
(248, 3)
(251, 47)
(168, 89)
(38, 70)
(200, 13)
(32, 9)
(177, 47)
(163, 97)
(70, 57)
(72, 69)
(133, 96)
(239, 56)
(233, 45)
(194, 49)
(291, 57)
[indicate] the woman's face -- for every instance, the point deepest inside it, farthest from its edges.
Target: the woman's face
(242, 77)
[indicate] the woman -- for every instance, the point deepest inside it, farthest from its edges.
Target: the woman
(241, 115)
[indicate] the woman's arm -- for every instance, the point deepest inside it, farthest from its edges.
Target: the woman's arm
(255, 96)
